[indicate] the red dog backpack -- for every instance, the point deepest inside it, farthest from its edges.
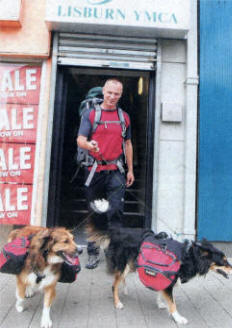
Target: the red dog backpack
(69, 271)
(158, 262)
(13, 255)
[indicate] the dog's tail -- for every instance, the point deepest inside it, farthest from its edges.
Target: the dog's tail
(96, 228)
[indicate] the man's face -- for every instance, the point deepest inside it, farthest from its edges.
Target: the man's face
(112, 92)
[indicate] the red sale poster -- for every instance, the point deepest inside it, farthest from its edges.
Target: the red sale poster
(18, 123)
(19, 103)
(17, 162)
(15, 203)
(19, 84)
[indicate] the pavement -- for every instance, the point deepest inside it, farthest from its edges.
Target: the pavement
(88, 303)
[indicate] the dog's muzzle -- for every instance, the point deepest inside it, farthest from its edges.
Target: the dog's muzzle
(223, 273)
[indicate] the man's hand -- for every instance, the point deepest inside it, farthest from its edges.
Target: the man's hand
(130, 178)
(93, 146)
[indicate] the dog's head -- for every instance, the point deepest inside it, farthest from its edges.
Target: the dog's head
(211, 258)
(52, 246)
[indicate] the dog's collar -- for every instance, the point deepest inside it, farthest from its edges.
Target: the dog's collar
(39, 277)
(45, 253)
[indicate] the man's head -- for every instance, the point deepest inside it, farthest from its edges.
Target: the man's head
(112, 92)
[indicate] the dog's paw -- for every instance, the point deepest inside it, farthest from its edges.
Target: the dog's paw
(29, 292)
(160, 302)
(179, 319)
(46, 323)
(119, 306)
(19, 307)
(161, 305)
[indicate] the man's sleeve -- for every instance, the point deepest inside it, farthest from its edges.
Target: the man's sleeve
(85, 125)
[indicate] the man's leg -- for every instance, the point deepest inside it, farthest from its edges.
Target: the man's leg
(93, 192)
(115, 192)
(93, 255)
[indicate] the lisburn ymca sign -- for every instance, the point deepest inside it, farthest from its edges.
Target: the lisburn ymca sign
(19, 100)
(160, 14)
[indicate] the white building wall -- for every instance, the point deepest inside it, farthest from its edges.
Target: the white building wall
(174, 194)
(170, 153)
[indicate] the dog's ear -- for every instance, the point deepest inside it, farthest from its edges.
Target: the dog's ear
(39, 244)
(40, 240)
(202, 248)
(208, 249)
(44, 237)
(202, 257)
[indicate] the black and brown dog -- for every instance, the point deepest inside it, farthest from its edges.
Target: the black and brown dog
(122, 248)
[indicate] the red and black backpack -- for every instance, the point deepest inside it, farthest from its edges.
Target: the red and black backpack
(14, 254)
(158, 262)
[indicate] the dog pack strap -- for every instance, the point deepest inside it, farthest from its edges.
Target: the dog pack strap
(97, 117)
(173, 257)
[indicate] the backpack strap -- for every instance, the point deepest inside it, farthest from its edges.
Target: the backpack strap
(97, 117)
(92, 162)
(122, 122)
(123, 125)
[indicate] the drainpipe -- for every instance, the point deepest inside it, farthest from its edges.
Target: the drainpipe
(190, 150)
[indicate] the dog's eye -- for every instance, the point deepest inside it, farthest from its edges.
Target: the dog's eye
(66, 241)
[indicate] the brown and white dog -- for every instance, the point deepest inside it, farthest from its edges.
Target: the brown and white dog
(49, 248)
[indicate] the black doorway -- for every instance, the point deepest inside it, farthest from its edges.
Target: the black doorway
(67, 205)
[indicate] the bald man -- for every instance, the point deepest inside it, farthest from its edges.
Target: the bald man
(105, 145)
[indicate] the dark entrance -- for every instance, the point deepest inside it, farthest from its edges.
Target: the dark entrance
(67, 205)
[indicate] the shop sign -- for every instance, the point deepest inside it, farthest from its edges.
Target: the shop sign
(17, 163)
(10, 12)
(15, 203)
(168, 14)
(18, 123)
(19, 84)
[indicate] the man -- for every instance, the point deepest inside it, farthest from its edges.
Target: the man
(105, 145)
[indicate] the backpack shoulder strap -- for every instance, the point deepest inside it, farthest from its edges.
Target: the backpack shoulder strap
(97, 117)
(122, 122)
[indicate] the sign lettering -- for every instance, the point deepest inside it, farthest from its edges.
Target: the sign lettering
(17, 163)
(162, 15)
(18, 123)
(15, 204)
(20, 85)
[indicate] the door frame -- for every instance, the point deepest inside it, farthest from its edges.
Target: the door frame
(55, 167)
(150, 150)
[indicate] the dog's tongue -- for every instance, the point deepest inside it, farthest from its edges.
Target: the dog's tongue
(72, 259)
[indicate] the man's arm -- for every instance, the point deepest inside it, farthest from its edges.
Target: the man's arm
(91, 145)
(129, 160)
